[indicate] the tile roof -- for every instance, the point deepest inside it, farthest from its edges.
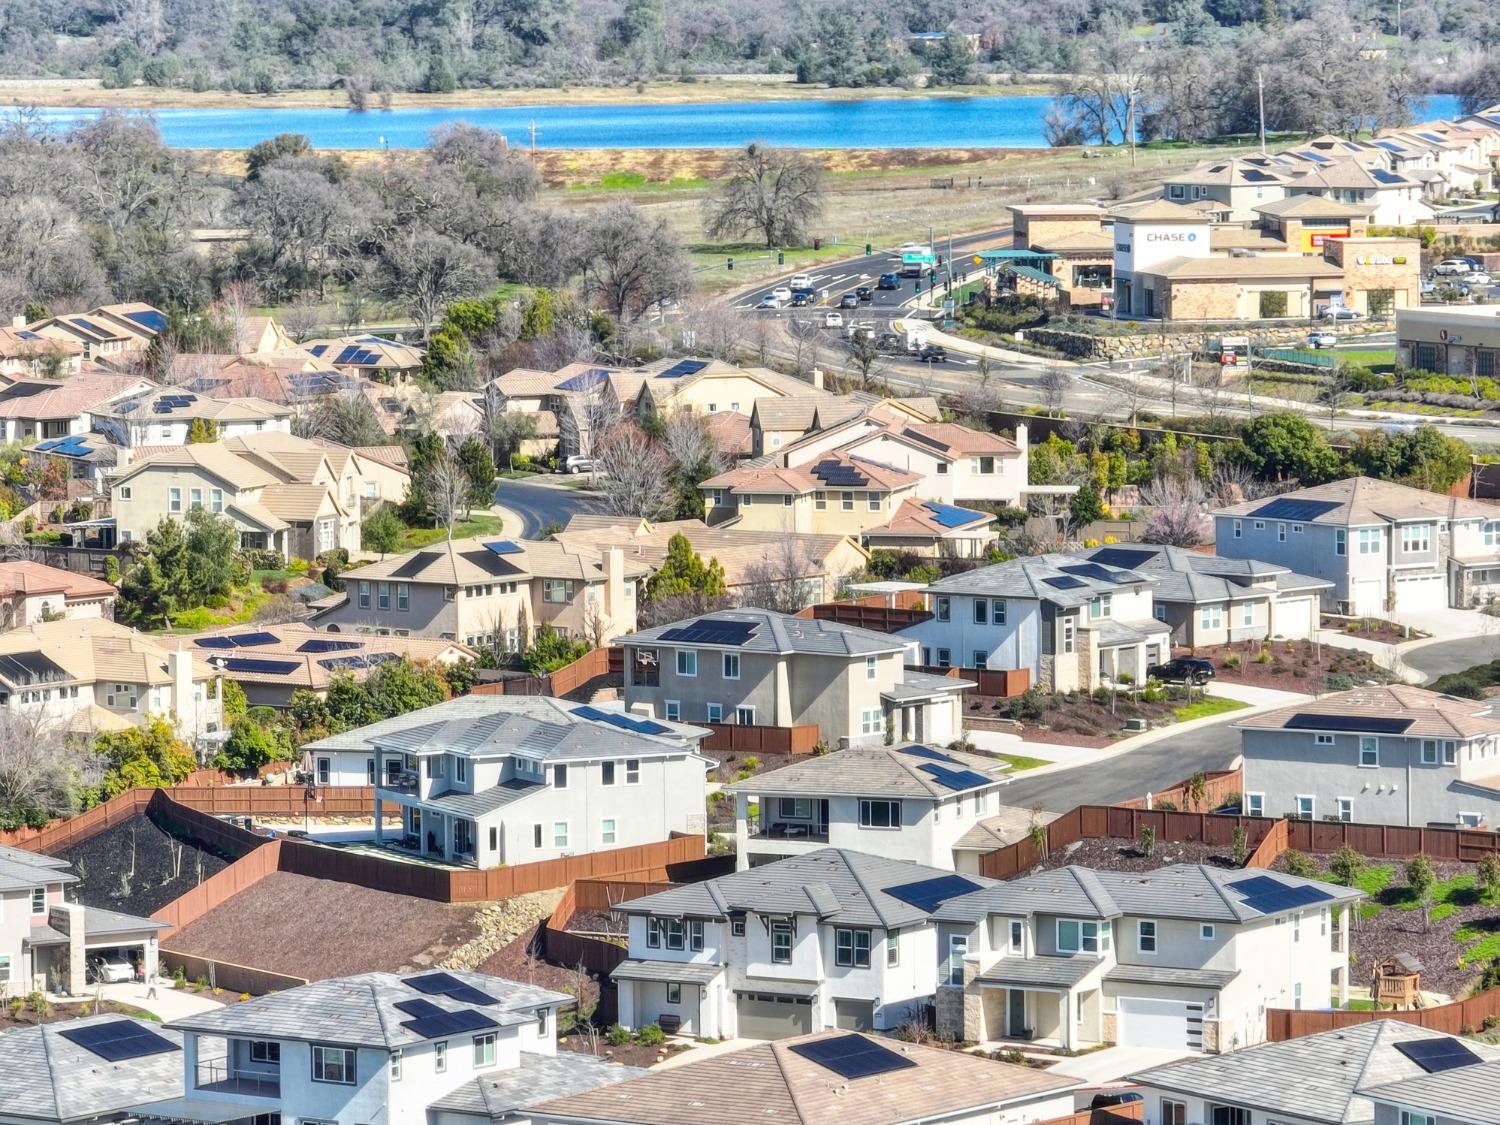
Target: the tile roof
(57, 399)
(466, 562)
(314, 662)
(835, 884)
(1313, 207)
(91, 650)
(22, 343)
(1161, 974)
(46, 1077)
(1468, 1093)
(1061, 579)
(873, 772)
(919, 518)
(876, 477)
(1332, 1068)
(670, 972)
(953, 438)
(1156, 211)
(500, 1094)
(1043, 972)
(731, 432)
(779, 633)
(1208, 269)
(1007, 826)
(215, 458)
(1358, 501)
(1431, 714)
(22, 576)
(786, 1088)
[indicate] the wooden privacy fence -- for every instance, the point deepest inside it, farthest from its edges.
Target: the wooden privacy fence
(1114, 1115)
(1391, 841)
(1218, 787)
(882, 618)
(62, 834)
(1269, 850)
(223, 836)
(1458, 1018)
(227, 975)
(737, 738)
(569, 678)
(596, 954)
(1005, 683)
(605, 894)
(220, 887)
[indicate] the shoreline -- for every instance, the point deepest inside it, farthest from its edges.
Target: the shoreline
(81, 93)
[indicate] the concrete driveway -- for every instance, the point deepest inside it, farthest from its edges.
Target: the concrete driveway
(1113, 1064)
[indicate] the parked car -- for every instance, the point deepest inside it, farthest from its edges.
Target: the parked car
(1452, 267)
(849, 301)
(1184, 669)
(1111, 1098)
(933, 353)
(783, 294)
(801, 281)
(1322, 339)
(833, 319)
(111, 968)
(888, 281)
(1339, 312)
(865, 293)
(769, 301)
(578, 464)
(1478, 279)
(1475, 263)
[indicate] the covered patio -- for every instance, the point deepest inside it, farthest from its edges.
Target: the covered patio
(1044, 1000)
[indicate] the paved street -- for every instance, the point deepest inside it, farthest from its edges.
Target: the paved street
(540, 504)
(1453, 656)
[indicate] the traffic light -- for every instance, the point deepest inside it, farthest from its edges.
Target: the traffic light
(729, 264)
(918, 286)
(780, 258)
(932, 276)
(869, 249)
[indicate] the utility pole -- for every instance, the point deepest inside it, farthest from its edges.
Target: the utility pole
(533, 138)
(1130, 125)
(1260, 97)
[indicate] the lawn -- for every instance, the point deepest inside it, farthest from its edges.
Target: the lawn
(1206, 708)
(1376, 359)
(478, 523)
(1019, 762)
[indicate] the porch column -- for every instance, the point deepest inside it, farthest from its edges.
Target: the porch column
(1065, 1024)
(1344, 925)
(379, 805)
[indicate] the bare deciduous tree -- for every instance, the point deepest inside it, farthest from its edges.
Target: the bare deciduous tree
(632, 261)
(1178, 517)
(1054, 387)
(774, 193)
(587, 416)
(779, 582)
(637, 475)
(692, 445)
(447, 490)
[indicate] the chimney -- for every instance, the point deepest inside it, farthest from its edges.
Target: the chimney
(817, 377)
(18, 322)
(614, 591)
(1023, 442)
(180, 667)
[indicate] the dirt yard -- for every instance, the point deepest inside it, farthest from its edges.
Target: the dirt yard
(1125, 855)
(1078, 718)
(1289, 665)
(319, 928)
(61, 1013)
(137, 868)
(1372, 629)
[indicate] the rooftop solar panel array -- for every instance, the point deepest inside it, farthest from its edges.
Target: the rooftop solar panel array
(31, 668)
(1437, 1055)
(850, 1056)
(930, 754)
(168, 403)
(449, 1023)
(685, 367)
(1065, 582)
(1095, 570)
(839, 474)
(118, 1040)
(1269, 896)
(616, 719)
(584, 380)
(1300, 510)
(712, 631)
(504, 547)
(947, 515)
(357, 356)
(444, 984)
(954, 779)
(149, 319)
(1384, 177)
(256, 666)
(929, 893)
(362, 661)
(323, 644)
(1363, 724)
(1122, 557)
(74, 445)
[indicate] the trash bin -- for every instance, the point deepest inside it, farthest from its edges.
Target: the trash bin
(817, 244)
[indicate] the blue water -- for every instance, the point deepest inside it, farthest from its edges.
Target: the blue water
(976, 122)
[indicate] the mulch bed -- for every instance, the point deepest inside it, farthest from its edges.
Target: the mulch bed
(521, 961)
(1122, 855)
(319, 928)
(630, 1054)
(1396, 926)
(1076, 718)
(62, 1013)
(1371, 629)
(137, 868)
(1295, 666)
(597, 922)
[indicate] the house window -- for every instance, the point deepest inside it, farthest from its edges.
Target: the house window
(396, 1064)
(1260, 525)
(1228, 1115)
(39, 900)
(1340, 541)
(1491, 527)
(875, 813)
(606, 773)
(1412, 1117)
(869, 668)
(1247, 614)
(383, 595)
(440, 1057)
(174, 500)
(556, 590)
(1255, 804)
(786, 501)
(125, 492)
(1346, 809)
(981, 658)
(997, 611)
(1211, 617)
(715, 712)
(744, 716)
(1145, 936)
(851, 948)
(668, 933)
(1323, 739)
(1429, 751)
(794, 808)
(820, 501)
(695, 935)
(364, 595)
(1305, 806)
(944, 658)
(731, 665)
(674, 993)
(1297, 996)
(195, 498)
(871, 721)
(958, 948)
(1416, 538)
(1239, 529)
(781, 943)
(1074, 936)
(484, 1050)
(607, 831)
(1369, 752)
(892, 951)
(1296, 529)
(403, 596)
(1206, 931)
(737, 926)
(1173, 1112)
(632, 771)
(846, 501)
(536, 835)
(673, 710)
(216, 499)
(981, 611)
(461, 770)
(333, 1064)
(1281, 533)
(1369, 541)
(1070, 628)
(1017, 936)
(687, 662)
(264, 1051)
(873, 500)
(559, 833)
(559, 777)
(1099, 607)
(942, 607)
(1450, 753)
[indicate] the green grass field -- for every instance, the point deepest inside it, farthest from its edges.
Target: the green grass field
(1204, 708)
(479, 523)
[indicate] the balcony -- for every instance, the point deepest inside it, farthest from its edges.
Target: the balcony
(789, 830)
(217, 1076)
(402, 781)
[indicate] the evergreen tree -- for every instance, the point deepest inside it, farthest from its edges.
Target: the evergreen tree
(381, 530)
(203, 431)
(159, 584)
(683, 571)
(479, 467)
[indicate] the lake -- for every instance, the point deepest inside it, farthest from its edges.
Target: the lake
(986, 121)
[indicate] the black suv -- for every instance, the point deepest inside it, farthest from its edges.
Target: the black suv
(1184, 669)
(932, 353)
(888, 281)
(864, 293)
(888, 342)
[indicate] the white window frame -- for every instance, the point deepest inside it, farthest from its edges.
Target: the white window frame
(1255, 804)
(1147, 944)
(687, 663)
(1323, 739)
(892, 808)
(395, 1064)
(849, 952)
(1416, 538)
(1429, 751)
(440, 1056)
(958, 949)
(346, 1065)
(1017, 937)
(1340, 541)
(1206, 931)
(484, 1050)
(872, 668)
(1312, 806)
(608, 833)
(1211, 617)
(1345, 806)
(1239, 529)
(560, 838)
(714, 713)
(731, 666)
(672, 709)
(1369, 744)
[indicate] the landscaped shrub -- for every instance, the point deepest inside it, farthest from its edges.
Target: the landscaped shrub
(1297, 863)
(651, 1035)
(618, 1035)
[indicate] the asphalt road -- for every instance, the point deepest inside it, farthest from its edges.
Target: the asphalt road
(1454, 656)
(541, 504)
(1150, 769)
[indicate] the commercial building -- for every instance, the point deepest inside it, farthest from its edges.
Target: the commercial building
(1460, 340)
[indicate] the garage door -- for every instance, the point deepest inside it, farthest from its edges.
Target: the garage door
(1294, 618)
(762, 1016)
(1427, 592)
(854, 1015)
(1160, 1023)
(1368, 597)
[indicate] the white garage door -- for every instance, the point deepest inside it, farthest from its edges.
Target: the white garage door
(1427, 592)
(1368, 598)
(1294, 618)
(1160, 1023)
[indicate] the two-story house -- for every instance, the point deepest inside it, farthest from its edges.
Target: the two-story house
(1383, 546)
(836, 1076)
(707, 386)
(830, 939)
(956, 464)
(837, 494)
(58, 1073)
(485, 780)
(35, 408)
(490, 593)
(46, 942)
(1384, 1072)
(441, 1045)
(105, 331)
(755, 667)
(31, 593)
(164, 416)
(565, 406)
(24, 352)
(1209, 600)
(1071, 623)
(89, 674)
(1390, 754)
(1188, 956)
(903, 802)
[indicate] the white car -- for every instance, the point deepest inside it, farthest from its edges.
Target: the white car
(112, 968)
(801, 281)
(578, 464)
(769, 301)
(782, 294)
(832, 319)
(1477, 279)
(1452, 267)
(1322, 340)
(1339, 312)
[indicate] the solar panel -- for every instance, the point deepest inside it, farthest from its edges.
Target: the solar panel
(1094, 570)
(416, 564)
(318, 644)
(947, 515)
(1436, 1055)
(30, 668)
(118, 1040)
(318, 349)
(1385, 177)
(1363, 724)
(449, 1023)
(930, 754)
(257, 667)
(418, 1007)
(504, 547)
(1254, 176)
(1269, 896)
(839, 473)
(955, 779)
(1121, 557)
(89, 326)
(926, 439)
(852, 1056)
(149, 319)
(442, 984)
(1299, 510)
(712, 631)
(215, 642)
(251, 640)
(927, 894)
(348, 353)
(584, 380)
(624, 722)
(685, 367)
(1065, 582)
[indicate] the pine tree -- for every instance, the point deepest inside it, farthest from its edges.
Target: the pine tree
(203, 431)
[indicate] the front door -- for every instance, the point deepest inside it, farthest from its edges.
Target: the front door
(1016, 1013)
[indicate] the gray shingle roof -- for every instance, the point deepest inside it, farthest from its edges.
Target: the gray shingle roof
(857, 883)
(1330, 1068)
(1195, 578)
(487, 801)
(361, 1010)
(885, 771)
(97, 920)
(670, 972)
(1042, 972)
(781, 633)
(1469, 1093)
(924, 685)
(21, 869)
(1028, 578)
(539, 1078)
(1193, 891)
(45, 1076)
(1157, 974)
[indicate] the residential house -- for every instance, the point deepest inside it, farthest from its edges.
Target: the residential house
(31, 592)
(565, 405)
(1384, 1072)
(164, 416)
(486, 780)
(818, 563)
(271, 662)
(1397, 198)
(32, 409)
(1384, 547)
(490, 593)
(754, 667)
(731, 434)
(454, 415)
(925, 527)
(369, 357)
(1209, 600)
(839, 495)
(955, 464)
(106, 332)
(1185, 957)
(1071, 623)
(779, 422)
(1239, 185)
(1376, 755)
(907, 802)
(46, 942)
(452, 1047)
(24, 353)
(837, 1076)
(90, 674)
(707, 386)
(50, 1075)
(831, 939)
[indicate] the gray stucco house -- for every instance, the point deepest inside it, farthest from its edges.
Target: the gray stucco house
(1376, 755)
(1383, 547)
